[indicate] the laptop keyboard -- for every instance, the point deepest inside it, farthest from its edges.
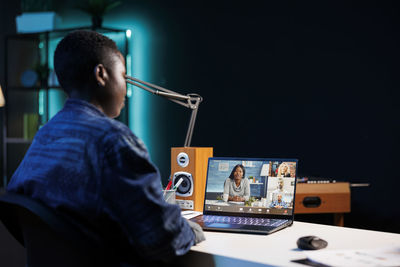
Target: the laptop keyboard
(243, 220)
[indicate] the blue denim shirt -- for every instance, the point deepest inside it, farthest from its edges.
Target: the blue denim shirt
(95, 170)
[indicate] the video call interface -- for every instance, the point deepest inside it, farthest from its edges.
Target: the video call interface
(251, 186)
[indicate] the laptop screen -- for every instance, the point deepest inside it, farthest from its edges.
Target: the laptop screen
(259, 186)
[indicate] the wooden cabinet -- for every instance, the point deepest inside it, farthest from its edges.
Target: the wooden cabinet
(323, 198)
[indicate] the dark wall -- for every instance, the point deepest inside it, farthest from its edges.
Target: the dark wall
(317, 81)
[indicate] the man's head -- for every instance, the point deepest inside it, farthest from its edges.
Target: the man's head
(280, 183)
(89, 66)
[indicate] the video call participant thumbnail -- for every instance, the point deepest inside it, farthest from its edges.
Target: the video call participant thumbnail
(236, 187)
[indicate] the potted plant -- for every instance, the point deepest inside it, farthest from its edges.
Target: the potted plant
(37, 16)
(97, 9)
(248, 202)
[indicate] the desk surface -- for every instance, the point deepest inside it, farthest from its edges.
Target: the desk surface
(278, 249)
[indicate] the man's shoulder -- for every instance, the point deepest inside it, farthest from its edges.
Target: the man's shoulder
(115, 126)
(119, 136)
(85, 125)
(81, 113)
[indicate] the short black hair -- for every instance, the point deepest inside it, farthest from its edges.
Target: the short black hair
(234, 169)
(78, 53)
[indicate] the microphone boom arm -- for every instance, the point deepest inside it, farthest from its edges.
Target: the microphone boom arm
(191, 101)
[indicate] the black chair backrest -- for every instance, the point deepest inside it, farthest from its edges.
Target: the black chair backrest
(49, 238)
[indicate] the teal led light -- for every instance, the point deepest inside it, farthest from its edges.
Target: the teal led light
(56, 101)
(139, 103)
(41, 45)
(41, 101)
(129, 91)
(128, 64)
(129, 73)
(56, 97)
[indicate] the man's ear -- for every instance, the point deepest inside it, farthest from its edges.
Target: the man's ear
(100, 74)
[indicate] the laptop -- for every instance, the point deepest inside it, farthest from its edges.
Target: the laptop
(249, 195)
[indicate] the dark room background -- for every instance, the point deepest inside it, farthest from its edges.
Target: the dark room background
(312, 80)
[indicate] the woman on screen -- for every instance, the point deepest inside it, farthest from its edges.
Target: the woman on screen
(236, 188)
(283, 170)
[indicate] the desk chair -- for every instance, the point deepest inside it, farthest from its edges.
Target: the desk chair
(49, 238)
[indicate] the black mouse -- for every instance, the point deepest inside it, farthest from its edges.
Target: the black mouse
(311, 243)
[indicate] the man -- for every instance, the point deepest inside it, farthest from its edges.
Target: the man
(279, 203)
(92, 168)
(279, 190)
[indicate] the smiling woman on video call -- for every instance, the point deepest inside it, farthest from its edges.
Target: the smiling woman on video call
(284, 170)
(236, 188)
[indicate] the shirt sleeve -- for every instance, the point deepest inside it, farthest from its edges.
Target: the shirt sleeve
(133, 198)
(246, 190)
(226, 190)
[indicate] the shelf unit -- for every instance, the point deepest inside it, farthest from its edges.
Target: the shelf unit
(31, 89)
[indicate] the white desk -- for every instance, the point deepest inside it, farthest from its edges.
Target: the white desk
(278, 249)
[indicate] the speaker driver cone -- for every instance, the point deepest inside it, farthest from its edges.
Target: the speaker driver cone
(185, 186)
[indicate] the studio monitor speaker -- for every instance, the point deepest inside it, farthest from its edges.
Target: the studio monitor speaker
(190, 165)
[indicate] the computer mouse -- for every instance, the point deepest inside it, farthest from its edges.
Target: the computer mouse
(311, 243)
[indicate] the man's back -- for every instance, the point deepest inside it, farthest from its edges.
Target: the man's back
(63, 165)
(94, 170)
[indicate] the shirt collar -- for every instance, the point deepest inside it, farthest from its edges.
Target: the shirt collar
(77, 103)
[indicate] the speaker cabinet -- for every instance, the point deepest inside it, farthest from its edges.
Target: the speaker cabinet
(323, 198)
(190, 165)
